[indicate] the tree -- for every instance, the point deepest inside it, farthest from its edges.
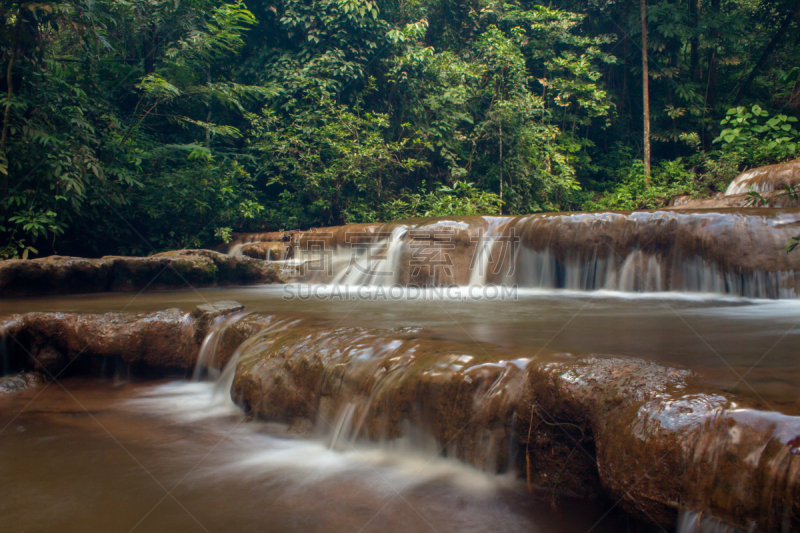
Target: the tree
(645, 91)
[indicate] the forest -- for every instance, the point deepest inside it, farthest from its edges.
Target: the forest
(136, 126)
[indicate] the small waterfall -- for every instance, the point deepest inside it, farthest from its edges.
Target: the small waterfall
(207, 359)
(357, 385)
(735, 252)
(372, 263)
(488, 256)
(766, 179)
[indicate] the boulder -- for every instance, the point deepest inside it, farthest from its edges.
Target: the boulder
(773, 198)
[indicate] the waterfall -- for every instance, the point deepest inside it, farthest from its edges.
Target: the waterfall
(207, 358)
(371, 263)
(766, 179)
(736, 252)
(731, 252)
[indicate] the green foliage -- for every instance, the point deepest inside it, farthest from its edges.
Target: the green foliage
(135, 127)
(462, 199)
(329, 159)
(669, 179)
(757, 137)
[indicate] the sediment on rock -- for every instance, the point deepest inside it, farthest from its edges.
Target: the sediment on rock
(169, 270)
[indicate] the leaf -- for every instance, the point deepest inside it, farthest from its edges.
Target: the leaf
(729, 138)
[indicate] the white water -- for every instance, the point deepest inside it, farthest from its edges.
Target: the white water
(261, 448)
(666, 252)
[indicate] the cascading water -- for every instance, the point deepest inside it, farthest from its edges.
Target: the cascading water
(356, 384)
(733, 252)
(766, 179)
(372, 264)
(207, 358)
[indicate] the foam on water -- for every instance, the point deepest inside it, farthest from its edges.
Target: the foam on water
(391, 466)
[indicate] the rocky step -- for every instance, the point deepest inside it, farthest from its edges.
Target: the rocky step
(637, 432)
(164, 341)
(642, 435)
(180, 269)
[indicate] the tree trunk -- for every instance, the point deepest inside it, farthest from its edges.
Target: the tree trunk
(149, 45)
(9, 97)
(794, 98)
(694, 41)
(208, 112)
(501, 167)
(713, 35)
(645, 94)
(7, 116)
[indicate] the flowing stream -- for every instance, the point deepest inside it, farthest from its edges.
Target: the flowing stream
(480, 298)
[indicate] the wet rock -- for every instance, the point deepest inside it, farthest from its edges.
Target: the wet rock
(773, 198)
(170, 270)
(626, 429)
(205, 314)
(267, 251)
(769, 178)
(633, 431)
(22, 381)
(166, 340)
(729, 251)
(54, 275)
(240, 241)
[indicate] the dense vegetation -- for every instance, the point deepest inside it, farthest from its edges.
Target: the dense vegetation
(130, 126)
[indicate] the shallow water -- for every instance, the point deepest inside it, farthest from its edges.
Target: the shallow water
(168, 456)
(724, 339)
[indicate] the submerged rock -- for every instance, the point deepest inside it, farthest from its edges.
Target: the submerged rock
(169, 270)
(22, 381)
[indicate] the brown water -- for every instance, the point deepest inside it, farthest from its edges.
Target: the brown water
(167, 456)
(723, 339)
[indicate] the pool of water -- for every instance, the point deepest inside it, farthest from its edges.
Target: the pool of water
(89, 455)
(748, 346)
